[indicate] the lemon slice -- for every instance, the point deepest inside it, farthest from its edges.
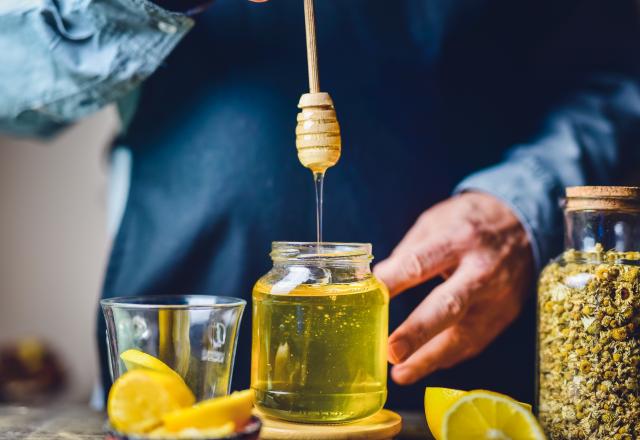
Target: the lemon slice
(135, 359)
(138, 360)
(176, 387)
(139, 398)
(490, 416)
(212, 413)
(438, 400)
(436, 403)
(526, 406)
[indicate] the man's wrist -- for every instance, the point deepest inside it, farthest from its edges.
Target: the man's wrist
(531, 196)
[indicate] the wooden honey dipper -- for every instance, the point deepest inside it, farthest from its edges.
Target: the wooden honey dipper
(318, 132)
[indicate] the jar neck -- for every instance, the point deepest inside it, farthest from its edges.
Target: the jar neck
(324, 262)
(328, 272)
(617, 230)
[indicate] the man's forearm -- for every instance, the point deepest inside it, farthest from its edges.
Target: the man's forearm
(587, 141)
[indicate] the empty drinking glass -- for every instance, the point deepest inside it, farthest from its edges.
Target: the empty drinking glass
(194, 335)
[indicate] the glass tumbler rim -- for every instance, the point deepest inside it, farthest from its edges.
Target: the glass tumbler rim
(173, 302)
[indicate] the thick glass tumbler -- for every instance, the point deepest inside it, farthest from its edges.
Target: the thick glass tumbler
(588, 320)
(320, 324)
(194, 335)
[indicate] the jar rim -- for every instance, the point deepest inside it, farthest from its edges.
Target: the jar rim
(323, 251)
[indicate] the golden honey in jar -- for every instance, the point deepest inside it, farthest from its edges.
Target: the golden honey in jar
(320, 327)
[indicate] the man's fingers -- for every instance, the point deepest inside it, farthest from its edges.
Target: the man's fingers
(442, 308)
(446, 349)
(409, 266)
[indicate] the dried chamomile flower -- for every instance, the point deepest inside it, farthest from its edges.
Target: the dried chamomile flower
(589, 342)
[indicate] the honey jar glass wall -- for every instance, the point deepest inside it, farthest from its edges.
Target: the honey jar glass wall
(588, 320)
(320, 323)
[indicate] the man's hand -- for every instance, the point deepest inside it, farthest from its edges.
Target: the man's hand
(480, 247)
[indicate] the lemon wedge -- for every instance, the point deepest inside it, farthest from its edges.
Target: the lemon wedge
(526, 406)
(436, 403)
(212, 413)
(140, 398)
(135, 359)
(138, 360)
(490, 416)
(177, 388)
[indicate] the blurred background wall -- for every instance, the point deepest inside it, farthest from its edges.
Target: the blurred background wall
(53, 241)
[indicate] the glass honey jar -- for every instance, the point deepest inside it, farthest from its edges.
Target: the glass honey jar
(320, 327)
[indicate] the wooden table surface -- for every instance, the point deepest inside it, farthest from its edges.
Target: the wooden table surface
(81, 423)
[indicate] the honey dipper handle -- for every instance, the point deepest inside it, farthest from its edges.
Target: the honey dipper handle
(312, 51)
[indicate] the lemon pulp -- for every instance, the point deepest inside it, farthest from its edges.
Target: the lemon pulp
(484, 415)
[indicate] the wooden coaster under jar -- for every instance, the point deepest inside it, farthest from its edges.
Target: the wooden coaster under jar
(383, 425)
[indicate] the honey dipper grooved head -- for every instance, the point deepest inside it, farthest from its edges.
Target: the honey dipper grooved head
(318, 132)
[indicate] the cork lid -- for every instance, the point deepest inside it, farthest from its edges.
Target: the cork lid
(602, 198)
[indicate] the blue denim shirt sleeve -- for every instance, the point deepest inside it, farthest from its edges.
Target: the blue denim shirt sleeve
(63, 59)
(586, 141)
